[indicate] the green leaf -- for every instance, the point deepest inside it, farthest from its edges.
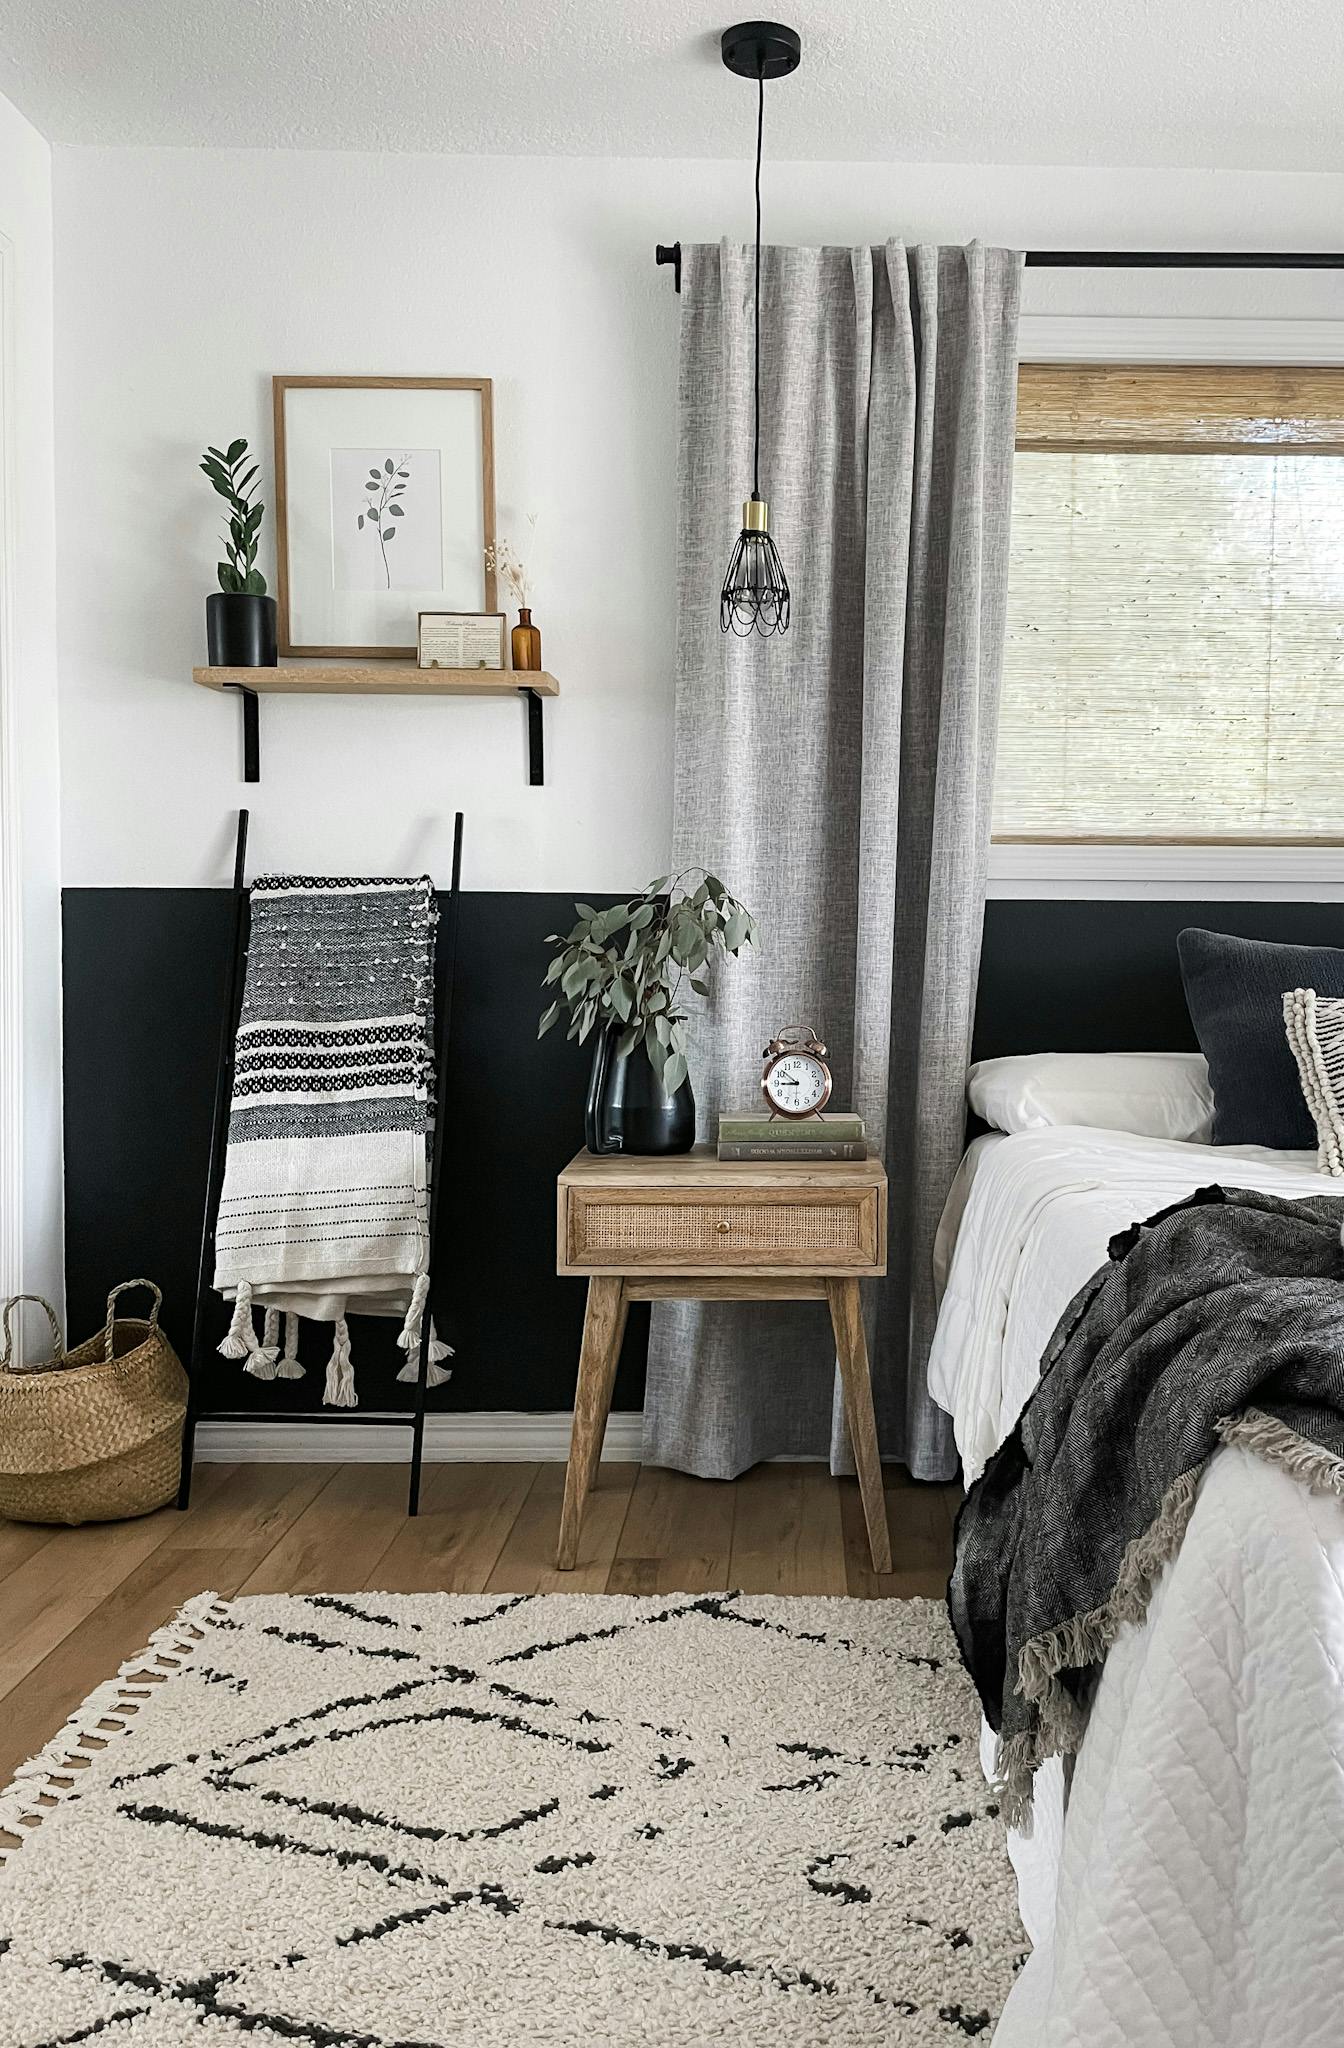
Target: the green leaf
(389, 533)
(656, 888)
(574, 978)
(388, 466)
(701, 987)
(396, 511)
(229, 579)
(628, 1040)
(255, 584)
(675, 1071)
(361, 522)
(236, 449)
(621, 1001)
(554, 971)
(548, 1018)
(736, 929)
(586, 912)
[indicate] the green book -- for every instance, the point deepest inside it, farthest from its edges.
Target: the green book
(831, 1126)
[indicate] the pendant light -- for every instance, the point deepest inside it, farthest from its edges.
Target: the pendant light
(755, 596)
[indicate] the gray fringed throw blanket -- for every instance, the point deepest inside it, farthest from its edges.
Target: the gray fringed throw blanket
(1220, 1320)
(325, 1205)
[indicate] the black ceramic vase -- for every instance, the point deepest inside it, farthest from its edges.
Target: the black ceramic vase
(628, 1108)
(240, 629)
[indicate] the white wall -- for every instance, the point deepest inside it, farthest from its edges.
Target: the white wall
(185, 278)
(30, 1022)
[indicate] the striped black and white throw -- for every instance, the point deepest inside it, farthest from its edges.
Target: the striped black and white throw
(325, 1204)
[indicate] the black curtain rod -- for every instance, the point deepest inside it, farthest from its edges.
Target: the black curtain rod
(1128, 259)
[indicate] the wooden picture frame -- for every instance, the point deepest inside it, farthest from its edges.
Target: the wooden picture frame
(294, 604)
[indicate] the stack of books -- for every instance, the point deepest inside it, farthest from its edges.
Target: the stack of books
(770, 1138)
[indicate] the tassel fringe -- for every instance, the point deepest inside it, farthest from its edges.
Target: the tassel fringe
(339, 1391)
(436, 1373)
(241, 1340)
(288, 1367)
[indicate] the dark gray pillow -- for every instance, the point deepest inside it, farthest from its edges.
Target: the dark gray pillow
(1234, 989)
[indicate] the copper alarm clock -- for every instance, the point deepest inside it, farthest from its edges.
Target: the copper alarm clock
(797, 1081)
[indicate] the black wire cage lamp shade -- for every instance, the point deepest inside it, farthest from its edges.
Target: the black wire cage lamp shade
(755, 594)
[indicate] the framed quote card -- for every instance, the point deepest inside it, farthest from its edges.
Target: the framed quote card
(385, 506)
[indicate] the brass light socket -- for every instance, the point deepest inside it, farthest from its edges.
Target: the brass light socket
(755, 516)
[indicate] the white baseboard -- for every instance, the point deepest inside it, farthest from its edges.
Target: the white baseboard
(494, 1438)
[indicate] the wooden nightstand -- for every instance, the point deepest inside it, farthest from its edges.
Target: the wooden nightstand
(694, 1228)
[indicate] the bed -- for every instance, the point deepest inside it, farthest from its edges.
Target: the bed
(1188, 1890)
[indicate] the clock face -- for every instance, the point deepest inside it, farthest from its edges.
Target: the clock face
(796, 1084)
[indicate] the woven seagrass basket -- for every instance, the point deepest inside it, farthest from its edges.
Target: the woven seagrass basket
(94, 1434)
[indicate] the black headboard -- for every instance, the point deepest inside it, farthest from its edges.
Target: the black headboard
(1093, 975)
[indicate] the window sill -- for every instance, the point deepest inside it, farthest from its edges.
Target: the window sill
(1212, 872)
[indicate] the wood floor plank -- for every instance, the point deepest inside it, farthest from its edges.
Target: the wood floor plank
(115, 1631)
(787, 1533)
(69, 1574)
(337, 1543)
(527, 1562)
(678, 1535)
(453, 1544)
(921, 1542)
(19, 1541)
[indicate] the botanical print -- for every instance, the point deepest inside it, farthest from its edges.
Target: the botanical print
(387, 531)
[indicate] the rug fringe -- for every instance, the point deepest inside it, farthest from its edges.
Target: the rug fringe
(59, 1770)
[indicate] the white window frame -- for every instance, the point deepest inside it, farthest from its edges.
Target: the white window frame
(1229, 873)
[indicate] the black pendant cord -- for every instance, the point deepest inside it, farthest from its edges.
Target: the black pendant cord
(760, 138)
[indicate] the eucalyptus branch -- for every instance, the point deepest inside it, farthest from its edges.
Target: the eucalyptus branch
(238, 572)
(627, 965)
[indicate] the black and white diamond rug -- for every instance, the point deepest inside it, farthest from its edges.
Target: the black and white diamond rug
(392, 1822)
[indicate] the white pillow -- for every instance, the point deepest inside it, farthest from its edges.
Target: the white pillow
(1152, 1094)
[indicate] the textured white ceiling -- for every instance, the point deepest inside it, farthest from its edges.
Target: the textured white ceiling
(1154, 82)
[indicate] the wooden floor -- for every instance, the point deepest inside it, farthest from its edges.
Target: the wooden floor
(76, 1603)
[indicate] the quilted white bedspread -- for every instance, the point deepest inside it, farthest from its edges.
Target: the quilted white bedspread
(1192, 1891)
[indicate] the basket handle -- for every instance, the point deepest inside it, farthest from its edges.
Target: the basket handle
(112, 1312)
(58, 1357)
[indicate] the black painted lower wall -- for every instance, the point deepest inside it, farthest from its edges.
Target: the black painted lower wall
(144, 974)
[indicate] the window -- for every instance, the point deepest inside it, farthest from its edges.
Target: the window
(1174, 668)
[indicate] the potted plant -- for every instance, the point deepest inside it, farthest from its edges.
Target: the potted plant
(239, 616)
(621, 973)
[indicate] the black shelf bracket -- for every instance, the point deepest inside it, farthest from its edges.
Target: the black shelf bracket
(251, 733)
(536, 764)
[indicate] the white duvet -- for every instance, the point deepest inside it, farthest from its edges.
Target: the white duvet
(1193, 1890)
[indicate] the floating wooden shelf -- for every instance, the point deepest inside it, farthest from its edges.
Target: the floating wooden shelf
(380, 679)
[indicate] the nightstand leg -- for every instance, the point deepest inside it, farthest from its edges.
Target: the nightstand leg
(851, 1350)
(603, 1328)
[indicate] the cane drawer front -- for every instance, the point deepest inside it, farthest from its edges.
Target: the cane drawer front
(693, 1230)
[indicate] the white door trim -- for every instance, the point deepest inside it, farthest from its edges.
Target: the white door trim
(11, 841)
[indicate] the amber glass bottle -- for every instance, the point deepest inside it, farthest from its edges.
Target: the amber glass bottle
(526, 641)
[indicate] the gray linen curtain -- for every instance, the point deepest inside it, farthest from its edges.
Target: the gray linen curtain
(838, 779)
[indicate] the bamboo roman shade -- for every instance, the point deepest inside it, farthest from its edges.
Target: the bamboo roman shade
(1175, 657)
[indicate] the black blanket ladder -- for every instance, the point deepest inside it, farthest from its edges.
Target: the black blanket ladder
(198, 1409)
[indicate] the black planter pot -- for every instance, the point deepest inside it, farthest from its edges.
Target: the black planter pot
(628, 1108)
(240, 629)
